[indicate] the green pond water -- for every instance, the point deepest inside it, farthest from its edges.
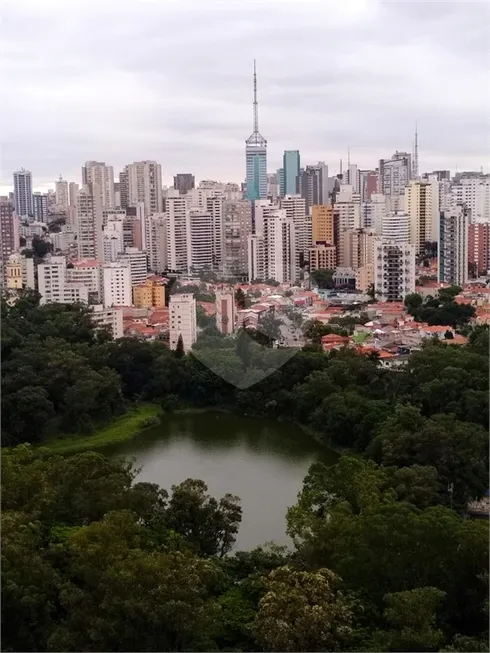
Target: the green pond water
(261, 461)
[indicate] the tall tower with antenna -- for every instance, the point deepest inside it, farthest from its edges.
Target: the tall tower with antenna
(415, 164)
(256, 155)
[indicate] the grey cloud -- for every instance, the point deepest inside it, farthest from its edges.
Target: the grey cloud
(172, 81)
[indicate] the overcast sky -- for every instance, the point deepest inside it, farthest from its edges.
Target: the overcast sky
(120, 81)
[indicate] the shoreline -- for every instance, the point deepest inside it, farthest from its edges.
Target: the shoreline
(121, 429)
(128, 426)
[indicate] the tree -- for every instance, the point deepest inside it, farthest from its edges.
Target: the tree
(411, 616)
(179, 350)
(413, 301)
(323, 278)
(269, 326)
(303, 611)
(209, 525)
(240, 298)
(41, 247)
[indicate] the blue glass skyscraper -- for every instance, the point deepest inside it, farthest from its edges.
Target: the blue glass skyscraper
(256, 157)
(291, 167)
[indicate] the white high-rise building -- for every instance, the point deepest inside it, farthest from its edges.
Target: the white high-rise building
(237, 227)
(279, 247)
(177, 233)
(87, 273)
(474, 193)
(62, 193)
(89, 223)
(144, 184)
(396, 227)
(182, 320)
(255, 257)
(394, 270)
(418, 206)
(347, 212)
(23, 194)
(157, 245)
(453, 246)
(112, 318)
(214, 206)
(352, 177)
(53, 285)
(200, 243)
(225, 311)
(295, 207)
(40, 207)
(373, 212)
(113, 239)
(395, 173)
(101, 177)
(116, 284)
(73, 189)
(138, 264)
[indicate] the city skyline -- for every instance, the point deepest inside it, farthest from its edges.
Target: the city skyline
(325, 96)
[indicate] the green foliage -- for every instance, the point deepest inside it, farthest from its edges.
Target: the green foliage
(441, 310)
(323, 278)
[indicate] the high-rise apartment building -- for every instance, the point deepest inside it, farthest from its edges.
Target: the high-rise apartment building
(23, 194)
(322, 256)
(138, 264)
(453, 246)
(87, 273)
(347, 216)
(177, 233)
(54, 286)
(182, 320)
(9, 231)
(394, 270)
(395, 173)
(89, 223)
(225, 311)
(479, 248)
(295, 207)
(144, 184)
(237, 227)
(200, 243)
(214, 206)
(157, 248)
(116, 284)
(418, 206)
(256, 156)
(123, 189)
(62, 193)
(291, 168)
(113, 240)
(474, 193)
(315, 185)
(279, 235)
(184, 182)
(322, 223)
(101, 177)
(40, 207)
(359, 248)
(396, 227)
(352, 177)
(73, 189)
(373, 211)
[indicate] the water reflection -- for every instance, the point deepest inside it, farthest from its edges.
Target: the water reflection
(263, 462)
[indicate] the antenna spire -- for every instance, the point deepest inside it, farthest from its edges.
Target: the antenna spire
(256, 104)
(416, 154)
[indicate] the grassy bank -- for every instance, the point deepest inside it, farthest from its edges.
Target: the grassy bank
(123, 428)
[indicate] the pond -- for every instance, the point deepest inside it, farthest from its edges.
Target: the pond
(263, 462)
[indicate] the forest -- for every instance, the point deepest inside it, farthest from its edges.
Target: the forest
(384, 557)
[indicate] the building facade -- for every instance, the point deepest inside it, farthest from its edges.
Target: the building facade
(479, 249)
(418, 206)
(291, 168)
(23, 194)
(225, 311)
(54, 287)
(101, 177)
(453, 246)
(89, 223)
(184, 182)
(144, 184)
(182, 320)
(237, 227)
(394, 270)
(116, 284)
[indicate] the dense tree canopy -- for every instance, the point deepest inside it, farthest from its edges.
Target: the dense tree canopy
(383, 559)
